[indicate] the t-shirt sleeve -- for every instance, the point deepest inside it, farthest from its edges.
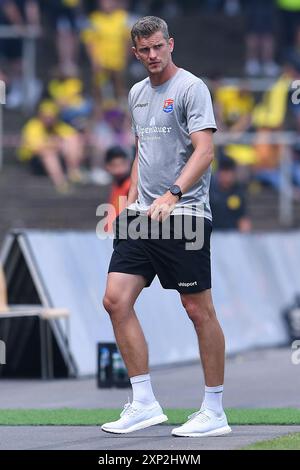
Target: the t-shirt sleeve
(198, 108)
(133, 126)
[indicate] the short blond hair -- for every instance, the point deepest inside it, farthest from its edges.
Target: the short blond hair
(147, 26)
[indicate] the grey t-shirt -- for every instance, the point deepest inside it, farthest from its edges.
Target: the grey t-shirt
(163, 117)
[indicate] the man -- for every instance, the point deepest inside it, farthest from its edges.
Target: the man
(107, 43)
(117, 164)
(173, 121)
(49, 144)
(227, 199)
(65, 18)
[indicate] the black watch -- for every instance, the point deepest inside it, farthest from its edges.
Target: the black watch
(176, 191)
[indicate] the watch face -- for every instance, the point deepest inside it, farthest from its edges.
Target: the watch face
(175, 190)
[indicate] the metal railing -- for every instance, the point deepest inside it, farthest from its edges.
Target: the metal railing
(255, 85)
(285, 139)
(28, 35)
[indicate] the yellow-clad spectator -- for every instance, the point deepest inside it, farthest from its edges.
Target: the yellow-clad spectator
(66, 91)
(47, 143)
(107, 40)
(269, 115)
(75, 108)
(233, 107)
(271, 112)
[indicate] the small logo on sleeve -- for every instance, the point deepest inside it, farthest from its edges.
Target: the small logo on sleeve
(168, 105)
(140, 105)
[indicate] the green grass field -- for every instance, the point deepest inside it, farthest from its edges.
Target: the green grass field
(289, 442)
(93, 417)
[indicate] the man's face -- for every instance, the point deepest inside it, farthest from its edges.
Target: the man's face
(107, 6)
(119, 168)
(226, 178)
(48, 119)
(154, 52)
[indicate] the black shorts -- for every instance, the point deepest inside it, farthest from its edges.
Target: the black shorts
(181, 261)
(260, 17)
(64, 19)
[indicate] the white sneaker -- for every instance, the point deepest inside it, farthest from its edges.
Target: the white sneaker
(203, 423)
(133, 419)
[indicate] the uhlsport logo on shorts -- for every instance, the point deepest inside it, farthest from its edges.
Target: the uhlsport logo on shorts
(168, 105)
(187, 284)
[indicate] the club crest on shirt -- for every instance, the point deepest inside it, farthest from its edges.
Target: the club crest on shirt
(168, 105)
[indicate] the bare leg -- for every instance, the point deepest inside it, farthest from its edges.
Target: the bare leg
(121, 293)
(118, 83)
(53, 167)
(267, 48)
(72, 150)
(201, 311)
(252, 46)
(67, 47)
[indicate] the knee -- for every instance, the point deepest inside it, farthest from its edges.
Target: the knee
(110, 303)
(73, 143)
(198, 314)
(114, 307)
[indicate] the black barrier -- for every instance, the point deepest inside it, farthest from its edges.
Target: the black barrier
(111, 370)
(291, 316)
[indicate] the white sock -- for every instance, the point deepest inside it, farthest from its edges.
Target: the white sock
(213, 399)
(142, 390)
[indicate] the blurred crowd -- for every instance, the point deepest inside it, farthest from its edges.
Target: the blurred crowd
(80, 131)
(255, 126)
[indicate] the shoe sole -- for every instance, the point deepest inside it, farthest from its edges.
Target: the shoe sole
(216, 432)
(136, 427)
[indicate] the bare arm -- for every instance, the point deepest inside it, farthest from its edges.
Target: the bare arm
(132, 194)
(242, 123)
(199, 161)
(195, 167)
